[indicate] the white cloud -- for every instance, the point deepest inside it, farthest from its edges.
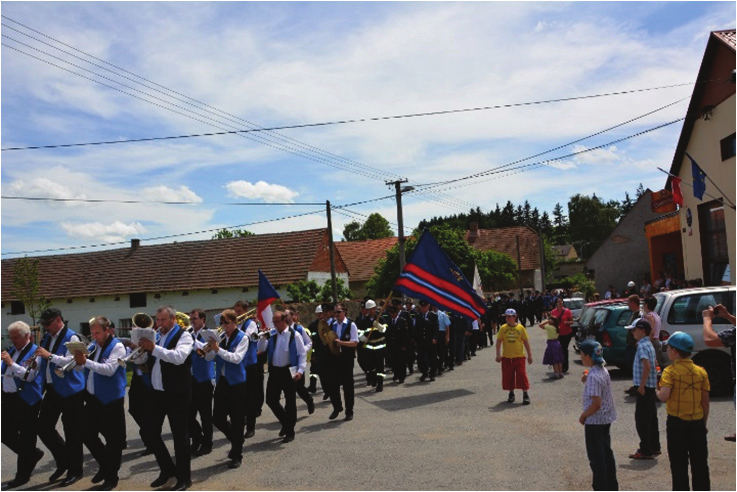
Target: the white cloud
(42, 188)
(168, 194)
(97, 231)
(260, 190)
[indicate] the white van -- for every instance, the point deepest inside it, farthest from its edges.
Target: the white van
(681, 310)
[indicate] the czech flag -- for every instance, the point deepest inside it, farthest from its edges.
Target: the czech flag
(266, 295)
(432, 276)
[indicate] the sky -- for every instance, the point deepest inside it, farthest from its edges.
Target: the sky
(90, 72)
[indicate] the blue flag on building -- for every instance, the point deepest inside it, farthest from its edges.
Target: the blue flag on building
(432, 276)
(699, 179)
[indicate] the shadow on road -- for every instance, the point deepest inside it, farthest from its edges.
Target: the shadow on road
(415, 401)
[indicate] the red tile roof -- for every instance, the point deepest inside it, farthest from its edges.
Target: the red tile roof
(504, 240)
(218, 263)
(362, 256)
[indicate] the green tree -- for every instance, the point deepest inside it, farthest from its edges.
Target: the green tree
(579, 283)
(303, 291)
(591, 222)
(352, 231)
(27, 287)
(344, 293)
(375, 227)
(228, 233)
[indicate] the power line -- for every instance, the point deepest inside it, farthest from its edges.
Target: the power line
(105, 200)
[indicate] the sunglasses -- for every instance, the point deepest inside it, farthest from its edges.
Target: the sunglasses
(337, 311)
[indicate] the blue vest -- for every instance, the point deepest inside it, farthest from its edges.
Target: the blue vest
(202, 369)
(73, 381)
(251, 357)
(108, 388)
(293, 357)
(30, 390)
(234, 373)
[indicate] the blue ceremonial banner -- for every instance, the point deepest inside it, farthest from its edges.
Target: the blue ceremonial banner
(432, 276)
(699, 183)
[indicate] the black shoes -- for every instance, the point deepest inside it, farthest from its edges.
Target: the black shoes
(109, 485)
(204, 450)
(325, 397)
(17, 482)
(511, 397)
(335, 413)
(235, 463)
(423, 378)
(282, 432)
(432, 378)
(287, 439)
(310, 406)
(312, 388)
(57, 474)
(161, 481)
(348, 417)
(250, 433)
(70, 480)
(525, 399)
(99, 477)
(182, 485)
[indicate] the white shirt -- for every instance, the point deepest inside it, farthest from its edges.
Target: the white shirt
(655, 329)
(16, 370)
(475, 325)
(176, 356)
(305, 338)
(281, 351)
(234, 357)
(196, 344)
(106, 367)
(340, 327)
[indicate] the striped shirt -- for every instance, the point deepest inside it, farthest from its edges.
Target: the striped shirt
(599, 384)
(645, 350)
(686, 381)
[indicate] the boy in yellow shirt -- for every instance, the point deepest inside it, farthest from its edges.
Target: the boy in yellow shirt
(684, 387)
(510, 351)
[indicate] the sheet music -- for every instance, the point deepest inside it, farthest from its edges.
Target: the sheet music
(138, 333)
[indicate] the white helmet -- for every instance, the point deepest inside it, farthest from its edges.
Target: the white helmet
(370, 304)
(318, 309)
(630, 284)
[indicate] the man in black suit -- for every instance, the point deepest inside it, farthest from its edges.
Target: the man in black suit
(426, 331)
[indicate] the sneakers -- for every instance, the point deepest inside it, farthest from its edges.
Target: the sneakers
(639, 456)
(511, 397)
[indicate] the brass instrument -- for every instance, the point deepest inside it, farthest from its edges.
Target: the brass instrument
(60, 371)
(255, 337)
(202, 352)
(182, 320)
(139, 320)
(29, 364)
(328, 336)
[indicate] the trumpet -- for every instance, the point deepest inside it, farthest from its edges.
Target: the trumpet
(135, 353)
(61, 370)
(255, 337)
(139, 320)
(202, 352)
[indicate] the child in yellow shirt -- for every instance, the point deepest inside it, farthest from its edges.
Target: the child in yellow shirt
(510, 351)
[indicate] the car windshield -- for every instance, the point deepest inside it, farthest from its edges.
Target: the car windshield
(573, 303)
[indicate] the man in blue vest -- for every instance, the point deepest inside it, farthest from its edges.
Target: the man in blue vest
(292, 317)
(21, 401)
(203, 381)
(64, 398)
(170, 397)
(340, 367)
(254, 363)
(285, 352)
(230, 392)
(104, 412)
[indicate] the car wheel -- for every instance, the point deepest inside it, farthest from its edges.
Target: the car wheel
(719, 369)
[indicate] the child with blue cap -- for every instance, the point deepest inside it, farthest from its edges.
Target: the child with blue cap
(597, 417)
(684, 387)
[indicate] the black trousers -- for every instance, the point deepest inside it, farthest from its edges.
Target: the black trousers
(687, 443)
(565, 341)
(230, 403)
(254, 393)
(646, 422)
(301, 390)
(601, 457)
(19, 425)
(137, 402)
(442, 350)
(201, 434)
(280, 381)
(427, 359)
(67, 453)
(108, 420)
(398, 364)
(174, 407)
(340, 373)
(376, 359)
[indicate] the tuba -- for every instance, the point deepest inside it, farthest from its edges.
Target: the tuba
(183, 320)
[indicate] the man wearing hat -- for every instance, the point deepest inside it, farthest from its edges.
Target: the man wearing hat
(363, 322)
(374, 338)
(426, 330)
(64, 398)
(644, 377)
(317, 348)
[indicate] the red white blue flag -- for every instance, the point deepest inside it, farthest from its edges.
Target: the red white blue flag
(432, 276)
(266, 295)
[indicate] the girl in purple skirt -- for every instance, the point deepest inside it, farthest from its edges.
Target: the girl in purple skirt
(553, 352)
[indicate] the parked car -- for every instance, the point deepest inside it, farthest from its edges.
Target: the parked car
(581, 326)
(680, 310)
(574, 304)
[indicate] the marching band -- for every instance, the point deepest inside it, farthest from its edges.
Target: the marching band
(198, 381)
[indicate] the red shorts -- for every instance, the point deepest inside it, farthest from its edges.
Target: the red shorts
(514, 374)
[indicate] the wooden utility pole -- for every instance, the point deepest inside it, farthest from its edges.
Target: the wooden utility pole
(333, 278)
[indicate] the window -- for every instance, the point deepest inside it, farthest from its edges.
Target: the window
(624, 318)
(137, 300)
(728, 147)
(686, 310)
(84, 329)
(714, 249)
(124, 327)
(17, 307)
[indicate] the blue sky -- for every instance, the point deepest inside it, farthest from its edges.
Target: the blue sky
(292, 63)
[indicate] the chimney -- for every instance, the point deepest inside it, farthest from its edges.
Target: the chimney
(474, 229)
(135, 243)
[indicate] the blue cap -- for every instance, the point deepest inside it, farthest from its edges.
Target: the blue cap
(681, 341)
(510, 312)
(593, 349)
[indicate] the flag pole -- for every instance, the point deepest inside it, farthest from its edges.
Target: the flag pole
(731, 205)
(712, 181)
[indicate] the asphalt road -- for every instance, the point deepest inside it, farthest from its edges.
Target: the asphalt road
(457, 433)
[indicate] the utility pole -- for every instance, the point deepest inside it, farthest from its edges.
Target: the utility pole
(332, 252)
(542, 258)
(519, 266)
(400, 218)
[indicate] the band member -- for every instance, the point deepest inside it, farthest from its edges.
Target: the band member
(398, 340)
(374, 341)
(104, 412)
(64, 398)
(171, 391)
(292, 318)
(285, 354)
(21, 401)
(317, 351)
(203, 380)
(427, 332)
(340, 367)
(138, 395)
(230, 391)
(254, 362)
(362, 353)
